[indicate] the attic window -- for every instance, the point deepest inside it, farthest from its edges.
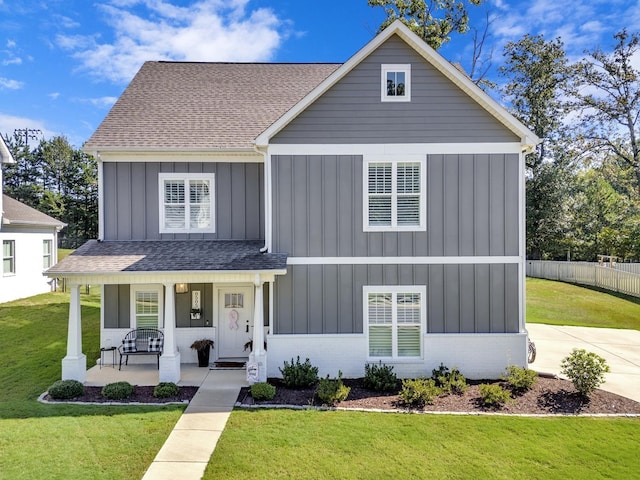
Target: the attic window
(396, 83)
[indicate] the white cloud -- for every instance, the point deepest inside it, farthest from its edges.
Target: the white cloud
(54, 95)
(9, 123)
(10, 84)
(10, 43)
(102, 102)
(206, 30)
(12, 61)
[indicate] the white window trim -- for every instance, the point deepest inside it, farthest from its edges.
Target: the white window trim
(185, 177)
(48, 256)
(156, 288)
(395, 289)
(13, 257)
(394, 160)
(393, 67)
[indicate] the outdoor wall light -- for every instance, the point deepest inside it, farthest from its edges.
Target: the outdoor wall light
(182, 288)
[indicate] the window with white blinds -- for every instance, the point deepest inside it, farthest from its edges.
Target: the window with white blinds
(146, 306)
(186, 203)
(394, 198)
(395, 318)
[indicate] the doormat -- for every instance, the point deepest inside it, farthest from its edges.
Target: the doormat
(227, 364)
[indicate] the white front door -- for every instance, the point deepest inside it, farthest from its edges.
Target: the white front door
(235, 321)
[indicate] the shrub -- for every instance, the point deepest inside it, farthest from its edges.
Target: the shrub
(380, 378)
(165, 390)
(333, 391)
(449, 381)
(66, 389)
(263, 391)
(585, 369)
(117, 390)
(493, 395)
(299, 375)
(419, 392)
(520, 379)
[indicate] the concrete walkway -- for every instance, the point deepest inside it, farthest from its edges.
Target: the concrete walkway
(620, 348)
(188, 448)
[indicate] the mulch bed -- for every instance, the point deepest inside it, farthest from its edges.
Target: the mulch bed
(140, 395)
(548, 396)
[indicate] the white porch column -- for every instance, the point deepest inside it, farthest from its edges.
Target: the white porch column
(170, 358)
(74, 365)
(259, 354)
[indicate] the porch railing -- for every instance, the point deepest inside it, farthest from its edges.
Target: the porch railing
(616, 279)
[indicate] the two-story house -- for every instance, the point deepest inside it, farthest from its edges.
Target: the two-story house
(359, 212)
(29, 244)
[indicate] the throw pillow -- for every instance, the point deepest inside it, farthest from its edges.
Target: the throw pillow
(129, 345)
(155, 344)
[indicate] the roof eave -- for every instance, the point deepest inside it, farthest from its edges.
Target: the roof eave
(56, 274)
(5, 154)
(93, 149)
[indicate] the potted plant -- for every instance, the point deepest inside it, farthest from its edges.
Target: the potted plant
(195, 314)
(203, 347)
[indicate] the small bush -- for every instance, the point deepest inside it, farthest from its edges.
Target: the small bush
(493, 395)
(263, 391)
(585, 369)
(449, 381)
(117, 390)
(299, 375)
(520, 379)
(165, 390)
(380, 378)
(419, 392)
(66, 389)
(333, 391)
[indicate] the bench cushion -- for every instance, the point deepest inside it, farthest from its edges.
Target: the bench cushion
(129, 345)
(155, 344)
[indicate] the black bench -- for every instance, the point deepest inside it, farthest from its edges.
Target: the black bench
(141, 341)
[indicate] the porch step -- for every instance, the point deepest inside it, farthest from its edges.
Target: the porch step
(228, 365)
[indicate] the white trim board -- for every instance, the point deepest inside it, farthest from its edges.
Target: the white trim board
(395, 148)
(403, 260)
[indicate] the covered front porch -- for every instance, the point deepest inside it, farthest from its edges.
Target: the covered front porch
(143, 284)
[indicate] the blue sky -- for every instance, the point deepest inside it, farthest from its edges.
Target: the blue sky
(64, 62)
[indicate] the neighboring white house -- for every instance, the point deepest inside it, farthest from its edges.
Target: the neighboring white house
(29, 244)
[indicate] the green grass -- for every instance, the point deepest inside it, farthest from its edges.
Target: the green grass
(268, 444)
(64, 252)
(65, 441)
(95, 442)
(558, 303)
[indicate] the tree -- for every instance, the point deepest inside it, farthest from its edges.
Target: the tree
(608, 96)
(537, 77)
(432, 20)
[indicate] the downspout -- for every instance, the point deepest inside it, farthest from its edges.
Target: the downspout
(100, 196)
(263, 150)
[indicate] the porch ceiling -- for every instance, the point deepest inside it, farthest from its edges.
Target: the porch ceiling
(162, 256)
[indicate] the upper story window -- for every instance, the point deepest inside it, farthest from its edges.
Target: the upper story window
(394, 196)
(8, 257)
(186, 202)
(396, 83)
(47, 254)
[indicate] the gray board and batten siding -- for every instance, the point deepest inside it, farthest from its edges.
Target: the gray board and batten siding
(131, 202)
(327, 299)
(471, 208)
(117, 306)
(351, 110)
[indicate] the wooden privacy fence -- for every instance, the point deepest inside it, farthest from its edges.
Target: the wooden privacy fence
(587, 273)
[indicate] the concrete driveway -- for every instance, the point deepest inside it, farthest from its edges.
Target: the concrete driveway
(620, 348)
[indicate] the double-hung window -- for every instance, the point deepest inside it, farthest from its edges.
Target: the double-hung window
(8, 257)
(395, 85)
(187, 203)
(146, 306)
(47, 252)
(395, 317)
(394, 195)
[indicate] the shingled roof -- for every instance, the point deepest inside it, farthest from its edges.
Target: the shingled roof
(163, 256)
(200, 106)
(17, 213)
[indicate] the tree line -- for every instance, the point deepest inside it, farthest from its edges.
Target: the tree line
(58, 180)
(582, 180)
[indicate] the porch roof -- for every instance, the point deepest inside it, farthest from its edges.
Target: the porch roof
(163, 256)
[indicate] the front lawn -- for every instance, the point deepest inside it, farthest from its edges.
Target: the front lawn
(285, 444)
(558, 303)
(64, 441)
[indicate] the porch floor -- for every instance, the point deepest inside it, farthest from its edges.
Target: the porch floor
(143, 374)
